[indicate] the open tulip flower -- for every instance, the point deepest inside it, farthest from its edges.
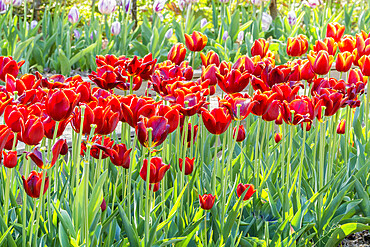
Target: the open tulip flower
(157, 170)
(118, 154)
(10, 159)
(8, 66)
(133, 107)
(105, 119)
(299, 110)
(328, 44)
(234, 81)
(241, 188)
(262, 102)
(211, 58)
(141, 67)
(60, 103)
(320, 62)
(189, 104)
(206, 201)
(216, 121)
(32, 185)
(177, 53)
(189, 165)
(99, 143)
(105, 77)
(335, 30)
(196, 42)
(160, 130)
(26, 82)
(232, 101)
(42, 162)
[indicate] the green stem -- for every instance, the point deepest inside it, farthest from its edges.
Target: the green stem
(147, 206)
(26, 163)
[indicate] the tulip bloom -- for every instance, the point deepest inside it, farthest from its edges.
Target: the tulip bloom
(157, 170)
(347, 43)
(115, 28)
(211, 58)
(344, 61)
(133, 107)
(105, 77)
(10, 159)
(177, 53)
(278, 137)
(32, 185)
(242, 188)
(160, 131)
(73, 15)
(89, 118)
(32, 131)
(195, 101)
(210, 73)
(26, 82)
(262, 102)
(98, 142)
(189, 165)
(320, 62)
(335, 30)
(217, 121)
(231, 102)
(364, 64)
(49, 127)
(119, 155)
(9, 66)
(206, 201)
(234, 81)
(328, 44)
(341, 129)
(297, 46)
(37, 157)
(60, 103)
(106, 7)
(260, 48)
(105, 119)
(240, 135)
(299, 110)
(196, 42)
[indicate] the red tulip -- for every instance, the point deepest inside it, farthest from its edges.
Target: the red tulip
(196, 42)
(189, 165)
(333, 101)
(32, 185)
(189, 104)
(335, 30)
(60, 103)
(278, 137)
(105, 119)
(344, 61)
(53, 82)
(83, 88)
(210, 73)
(243, 187)
(206, 201)
(98, 142)
(262, 102)
(177, 53)
(347, 43)
(273, 112)
(49, 127)
(143, 67)
(279, 74)
(14, 116)
(111, 60)
(328, 44)
(297, 46)
(89, 117)
(211, 58)
(321, 62)
(154, 187)
(103, 205)
(217, 121)
(260, 48)
(285, 92)
(10, 141)
(234, 81)
(134, 107)
(10, 159)
(119, 155)
(232, 101)
(299, 110)
(354, 76)
(364, 63)
(157, 170)
(26, 82)
(306, 70)
(341, 129)
(37, 157)
(9, 66)
(160, 130)
(240, 135)
(105, 77)
(32, 131)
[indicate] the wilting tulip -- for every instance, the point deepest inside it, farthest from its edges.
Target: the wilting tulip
(217, 121)
(341, 129)
(278, 137)
(9, 66)
(241, 133)
(260, 48)
(103, 205)
(60, 103)
(10, 159)
(211, 58)
(364, 64)
(32, 185)
(242, 188)
(196, 42)
(297, 46)
(320, 62)
(206, 201)
(115, 28)
(160, 131)
(344, 61)
(157, 170)
(119, 155)
(32, 131)
(73, 15)
(37, 156)
(189, 165)
(106, 7)
(335, 30)
(347, 43)
(177, 53)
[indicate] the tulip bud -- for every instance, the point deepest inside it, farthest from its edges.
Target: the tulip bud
(241, 134)
(10, 159)
(206, 201)
(73, 15)
(127, 6)
(196, 42)
(266, 21)
(3, 7)
(240, 36)
(17, 3)
(177, 53)
(115, 28)
(33, 24)
(344, 61)
(106, 7)
(341, 129)
(169, 33)
(320, 62)
(32, 185)
(103, 205)
(77, 34)
(335, 30)
(242, 187)
(189, 165)
(278, 137)
(292, 18)
(158, 5)
(203, 23)
(93, 34)
(225, 35)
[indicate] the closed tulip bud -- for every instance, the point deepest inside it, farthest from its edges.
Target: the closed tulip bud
(344, 61)
(341, 129)
(241, 133)
(189, 165)
(347, 43)
(278, 137)
(203, 23)
(73, 15)
(32, 185)
(260, 48)
(225, 35)
(242, 188)
(107, 7)
(77, 34)
(364, 64)
(177, 53)
(33, 24)
(169, 33)
(158, 5)
(157, 170)
(292, 18)
(240, 36)
(335, 30)
(17, 3)
(320, 62)
(297, 46)
(10, 159)
(206, 201)
(115, 28)
(103, 205)
(196, 42)
(266, 21)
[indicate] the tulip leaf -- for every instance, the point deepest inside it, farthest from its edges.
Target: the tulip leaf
(345, 230)
(97, 196)
(63, 236)
(4, 236)
(65, 66)
(130, 232)
(362, 194)
(81, 53)
(17, 53)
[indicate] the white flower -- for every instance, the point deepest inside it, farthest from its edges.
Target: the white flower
(292, 18)
(266, 21)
